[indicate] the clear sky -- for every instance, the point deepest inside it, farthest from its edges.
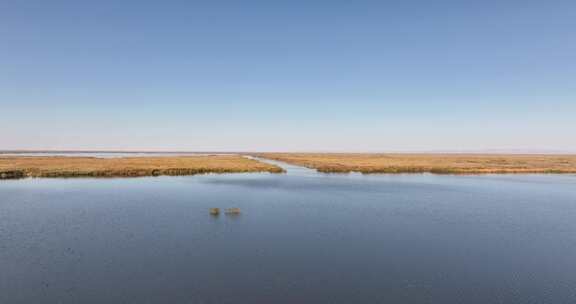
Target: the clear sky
(288, 75)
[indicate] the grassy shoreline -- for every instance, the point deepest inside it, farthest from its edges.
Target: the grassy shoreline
(429, 163)
(68, 167)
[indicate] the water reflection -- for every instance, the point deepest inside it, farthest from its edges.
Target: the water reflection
(300, 237)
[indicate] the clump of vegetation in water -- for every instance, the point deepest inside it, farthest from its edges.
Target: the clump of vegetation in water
(233, 211)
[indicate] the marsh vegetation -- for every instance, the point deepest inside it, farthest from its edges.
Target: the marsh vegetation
(19, 167)
(431, 163)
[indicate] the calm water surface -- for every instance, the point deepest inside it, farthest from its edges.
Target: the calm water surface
(302, 237)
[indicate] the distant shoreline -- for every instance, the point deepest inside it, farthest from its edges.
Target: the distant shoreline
(430, 163)
(71, 166)
(139, 164)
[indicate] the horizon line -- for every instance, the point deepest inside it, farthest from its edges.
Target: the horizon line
(391, 151)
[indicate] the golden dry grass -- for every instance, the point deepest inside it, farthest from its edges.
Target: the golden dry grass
(18, 167)
(433, 163)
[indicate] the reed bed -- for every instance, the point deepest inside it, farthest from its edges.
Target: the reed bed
(20, 167)
(429, 163)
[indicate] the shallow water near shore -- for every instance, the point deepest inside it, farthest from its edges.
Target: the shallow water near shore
(301, 237)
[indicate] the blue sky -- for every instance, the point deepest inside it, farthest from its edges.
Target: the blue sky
(288, 75)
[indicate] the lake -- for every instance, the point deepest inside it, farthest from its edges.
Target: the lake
(302, 237)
